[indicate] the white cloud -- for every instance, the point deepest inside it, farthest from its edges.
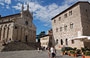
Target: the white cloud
(5, 1)
(8, 1)
(84, 0)
(2, 4)
(69, 1)
(18, 6)
(7, 6)
(45, 13)
(73, 1)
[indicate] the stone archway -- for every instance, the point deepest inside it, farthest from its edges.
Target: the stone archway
(61, 42)
(1, 31)
(26, 37)
(66, 40)
(8, 33)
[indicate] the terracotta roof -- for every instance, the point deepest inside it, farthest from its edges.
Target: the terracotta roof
(70, 8)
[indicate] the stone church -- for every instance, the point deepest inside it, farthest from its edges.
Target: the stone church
(18, 27)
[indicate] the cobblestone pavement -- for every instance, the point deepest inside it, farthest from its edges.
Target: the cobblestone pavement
(30, 54)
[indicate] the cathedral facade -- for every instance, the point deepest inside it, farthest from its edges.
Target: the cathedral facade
(18, 27)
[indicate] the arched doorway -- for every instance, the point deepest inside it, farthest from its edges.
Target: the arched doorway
(26, 38)
(61, 42)
(66, 41)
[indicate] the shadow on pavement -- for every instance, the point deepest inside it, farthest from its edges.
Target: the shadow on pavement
(59, 56)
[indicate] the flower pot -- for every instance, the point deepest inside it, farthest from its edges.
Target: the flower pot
(75, 55)
(87, 56)
(83, 56)
(62, 53)
(72, 55)
(69, 54)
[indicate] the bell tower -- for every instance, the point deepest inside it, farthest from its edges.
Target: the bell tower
(28, 7)
(22, 9)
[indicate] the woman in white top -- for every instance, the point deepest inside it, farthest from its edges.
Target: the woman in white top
(53, 52)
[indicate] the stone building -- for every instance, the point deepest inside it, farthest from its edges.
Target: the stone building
(72, 23)
(47, 40)
(18, 27)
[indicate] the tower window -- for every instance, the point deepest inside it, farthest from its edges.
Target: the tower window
(65, 27)
(65, 15)
(56, 29)
(60, 28)
(15, 27)
(70, 12)
(26, 22)
(54, 21)
(57, 41)
(59, 18)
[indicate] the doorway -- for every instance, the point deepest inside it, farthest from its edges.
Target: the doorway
(26, 38)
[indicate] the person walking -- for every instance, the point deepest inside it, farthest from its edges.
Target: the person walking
(53, 52)
(49, 54)
(38, 49)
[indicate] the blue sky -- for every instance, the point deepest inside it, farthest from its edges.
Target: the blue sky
(43, 10)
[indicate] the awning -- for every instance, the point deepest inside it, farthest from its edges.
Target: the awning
(81, 38)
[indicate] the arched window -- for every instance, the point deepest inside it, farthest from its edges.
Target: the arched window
(60, 28)
(56, 29)
(26, 22)
(65, 15)
(59, 18)
(66, 41)
(61, 42)
(15, 27)
(70, 12)
(54, 21)
(65, 27)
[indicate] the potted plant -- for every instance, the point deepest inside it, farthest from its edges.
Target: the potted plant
(73, 53)
(78, 52)
(83, 51)
(69, 53)
(68, 50)
(63, 50)
(87, 54)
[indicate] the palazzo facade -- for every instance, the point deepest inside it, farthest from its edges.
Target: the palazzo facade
(74, 22)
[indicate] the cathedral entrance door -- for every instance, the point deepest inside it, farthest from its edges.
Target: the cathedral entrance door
(26, 38)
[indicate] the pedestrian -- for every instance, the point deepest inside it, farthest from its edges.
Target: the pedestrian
(53, 52)
(38, 49)
(49, 54)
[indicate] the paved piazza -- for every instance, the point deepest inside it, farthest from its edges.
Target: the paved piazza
(29, 54)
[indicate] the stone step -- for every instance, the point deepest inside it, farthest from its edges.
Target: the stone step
(1, 48)
(16, 46)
